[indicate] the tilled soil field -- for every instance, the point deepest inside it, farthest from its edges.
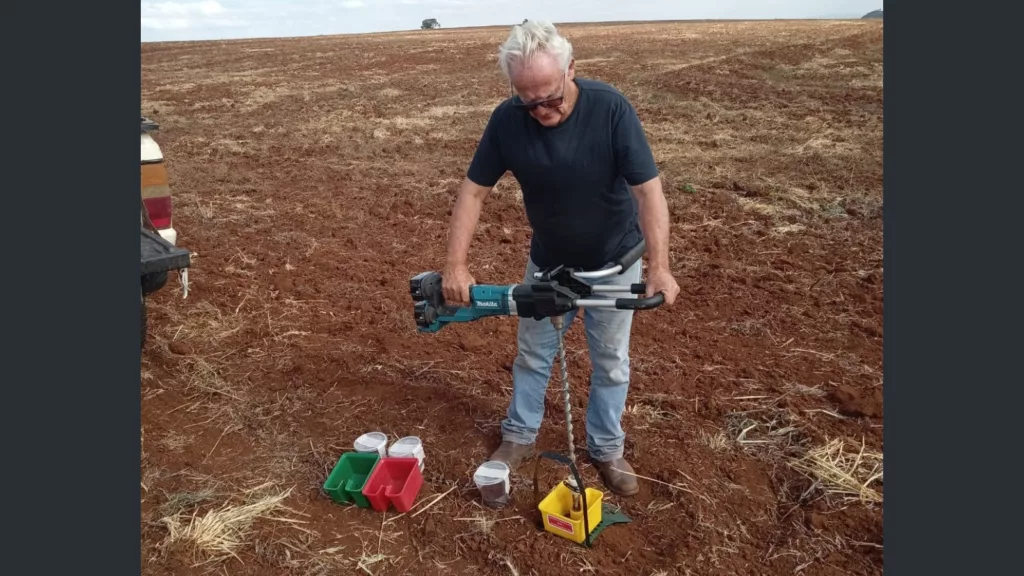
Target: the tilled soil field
(313, 177)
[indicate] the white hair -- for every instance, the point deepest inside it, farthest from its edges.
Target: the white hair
(530, 37)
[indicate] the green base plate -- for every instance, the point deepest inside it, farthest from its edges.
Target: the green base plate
(609, 516)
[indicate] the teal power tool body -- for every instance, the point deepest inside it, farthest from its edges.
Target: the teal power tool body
(556, 290)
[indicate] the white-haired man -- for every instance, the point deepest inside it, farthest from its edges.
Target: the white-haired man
(591, 191)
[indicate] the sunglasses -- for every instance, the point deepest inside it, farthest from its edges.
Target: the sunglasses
(546, 103)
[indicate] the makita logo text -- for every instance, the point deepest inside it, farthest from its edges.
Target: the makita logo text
(486, 304)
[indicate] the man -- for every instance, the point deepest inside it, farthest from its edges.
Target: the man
(592, 192)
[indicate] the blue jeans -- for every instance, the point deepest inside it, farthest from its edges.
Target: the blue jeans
(607, 333)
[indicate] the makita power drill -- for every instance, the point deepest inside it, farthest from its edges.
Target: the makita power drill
(557, 290)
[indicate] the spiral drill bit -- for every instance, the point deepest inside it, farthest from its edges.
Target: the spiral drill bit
(559, 323)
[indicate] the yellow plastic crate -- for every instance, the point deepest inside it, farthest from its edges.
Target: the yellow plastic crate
(555, 508)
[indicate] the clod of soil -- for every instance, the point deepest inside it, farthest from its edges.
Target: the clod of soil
(749, 189)
(179, 348)
(472, 343)
(723, 198)
(853, 402)
(284, 284)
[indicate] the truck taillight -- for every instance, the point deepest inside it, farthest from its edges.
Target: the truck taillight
(156, 194)
(159, 209)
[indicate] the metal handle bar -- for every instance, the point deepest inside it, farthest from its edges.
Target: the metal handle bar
(615, 288)
(623, 303)
(619, 266)
(598, 274)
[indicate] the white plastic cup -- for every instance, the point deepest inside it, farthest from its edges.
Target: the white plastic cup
(372, 442)
(492, 481)
(408, 447)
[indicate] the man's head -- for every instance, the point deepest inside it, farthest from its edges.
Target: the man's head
(538, 63)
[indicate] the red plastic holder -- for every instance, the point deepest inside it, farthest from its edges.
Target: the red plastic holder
(394, 481)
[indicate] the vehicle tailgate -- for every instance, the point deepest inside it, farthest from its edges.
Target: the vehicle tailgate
(159, 255)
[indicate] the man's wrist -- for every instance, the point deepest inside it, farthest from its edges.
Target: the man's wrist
(658, 268)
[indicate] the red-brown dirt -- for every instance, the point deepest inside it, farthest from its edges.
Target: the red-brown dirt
(313, 177)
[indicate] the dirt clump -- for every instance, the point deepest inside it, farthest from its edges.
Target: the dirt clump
(179, 348)
(853, 402)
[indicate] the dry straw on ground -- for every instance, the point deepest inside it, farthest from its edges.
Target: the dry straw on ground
(839, 472)
(219, 533)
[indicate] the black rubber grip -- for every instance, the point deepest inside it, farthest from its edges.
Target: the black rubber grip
(640, 288)
(630, 258)
(640, 303)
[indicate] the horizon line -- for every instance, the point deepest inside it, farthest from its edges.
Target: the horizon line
(485, 26)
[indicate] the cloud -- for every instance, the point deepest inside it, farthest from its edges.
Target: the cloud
(165, 23)
(353, 4)
(443, 2)
(185, 15)
(204, 8)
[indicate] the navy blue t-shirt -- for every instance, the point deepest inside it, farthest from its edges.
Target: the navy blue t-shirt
(575, 177)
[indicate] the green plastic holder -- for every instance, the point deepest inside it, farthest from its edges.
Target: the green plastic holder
(345, 483)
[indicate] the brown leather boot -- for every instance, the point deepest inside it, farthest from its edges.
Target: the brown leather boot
(513, 454)
(619, 483)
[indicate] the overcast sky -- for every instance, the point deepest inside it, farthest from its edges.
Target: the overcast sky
(222, 19)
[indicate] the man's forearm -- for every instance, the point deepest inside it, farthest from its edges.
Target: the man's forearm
(654, 222)
(465, 215)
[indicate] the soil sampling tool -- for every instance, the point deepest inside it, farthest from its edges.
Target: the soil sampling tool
(570, 510)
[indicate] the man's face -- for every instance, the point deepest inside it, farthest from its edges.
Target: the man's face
(542, 79)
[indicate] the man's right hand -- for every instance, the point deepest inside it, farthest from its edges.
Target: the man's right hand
(455, 283)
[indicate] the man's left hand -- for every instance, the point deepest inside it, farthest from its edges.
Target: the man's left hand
(661, 280)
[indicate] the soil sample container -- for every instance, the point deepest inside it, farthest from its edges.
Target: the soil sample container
(408, 447)
(346, 482)
(395, 481)
(372, 442)
(491, 480)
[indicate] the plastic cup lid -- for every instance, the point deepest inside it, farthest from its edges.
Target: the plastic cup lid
(491, 472)
(406, 451)
(372, 440)
(410, 441)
